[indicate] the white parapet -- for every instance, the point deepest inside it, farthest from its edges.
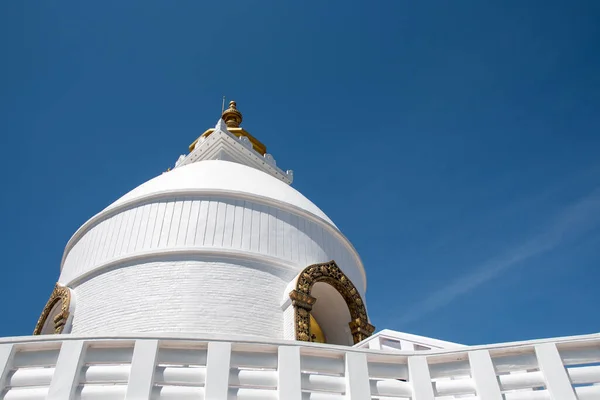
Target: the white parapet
(212, 367)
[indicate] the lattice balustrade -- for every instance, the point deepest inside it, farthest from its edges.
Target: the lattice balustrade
(87, 368)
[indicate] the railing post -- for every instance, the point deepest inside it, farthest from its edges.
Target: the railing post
(217, 370)
(484, 375)
(420, 378)
(357, 377)
(289, 386)
(143, 366)
(66, 374)
(557, 381)
(6, 353)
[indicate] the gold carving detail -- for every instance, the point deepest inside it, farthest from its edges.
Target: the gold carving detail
(60, 294)
(303, 301)
(232, 116)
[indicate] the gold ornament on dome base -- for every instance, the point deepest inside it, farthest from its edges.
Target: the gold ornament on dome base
(302, 301)
(60, 294)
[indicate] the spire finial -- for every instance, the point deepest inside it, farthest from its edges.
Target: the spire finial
(231, 116)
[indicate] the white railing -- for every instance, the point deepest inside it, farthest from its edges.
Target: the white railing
(396, 341)
(166, 367)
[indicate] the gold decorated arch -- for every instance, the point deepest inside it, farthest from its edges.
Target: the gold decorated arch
(60, 295)
(303, 302)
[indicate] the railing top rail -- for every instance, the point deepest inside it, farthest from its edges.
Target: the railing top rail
(307, 346)
(422, 340)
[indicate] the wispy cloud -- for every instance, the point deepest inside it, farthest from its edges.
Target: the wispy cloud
(573, 221)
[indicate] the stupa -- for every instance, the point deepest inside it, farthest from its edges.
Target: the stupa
(218, 280)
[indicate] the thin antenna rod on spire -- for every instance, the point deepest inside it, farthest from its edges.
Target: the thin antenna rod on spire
(223, 107)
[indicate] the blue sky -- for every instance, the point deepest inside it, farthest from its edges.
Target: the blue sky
(454, 143)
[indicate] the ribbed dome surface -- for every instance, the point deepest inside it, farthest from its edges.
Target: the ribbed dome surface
(223, 176)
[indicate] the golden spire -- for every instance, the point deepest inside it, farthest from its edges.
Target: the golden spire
(231, 116)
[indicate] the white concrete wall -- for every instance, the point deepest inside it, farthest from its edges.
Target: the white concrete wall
(196, 264)
(183, 295)
(205, 223)
(289, 315)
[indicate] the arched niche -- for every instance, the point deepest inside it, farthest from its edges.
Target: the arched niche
(303, 301)
(332, 314)
(56, 312)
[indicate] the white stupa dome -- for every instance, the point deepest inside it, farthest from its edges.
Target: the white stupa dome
(215, 245)
(223, 178)
(212, 246)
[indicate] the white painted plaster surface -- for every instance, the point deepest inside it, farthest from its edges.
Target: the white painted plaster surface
(332, 314)
(183, 295)
(225, 176)
(206, 248)
(223, 145)
(208, 222)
